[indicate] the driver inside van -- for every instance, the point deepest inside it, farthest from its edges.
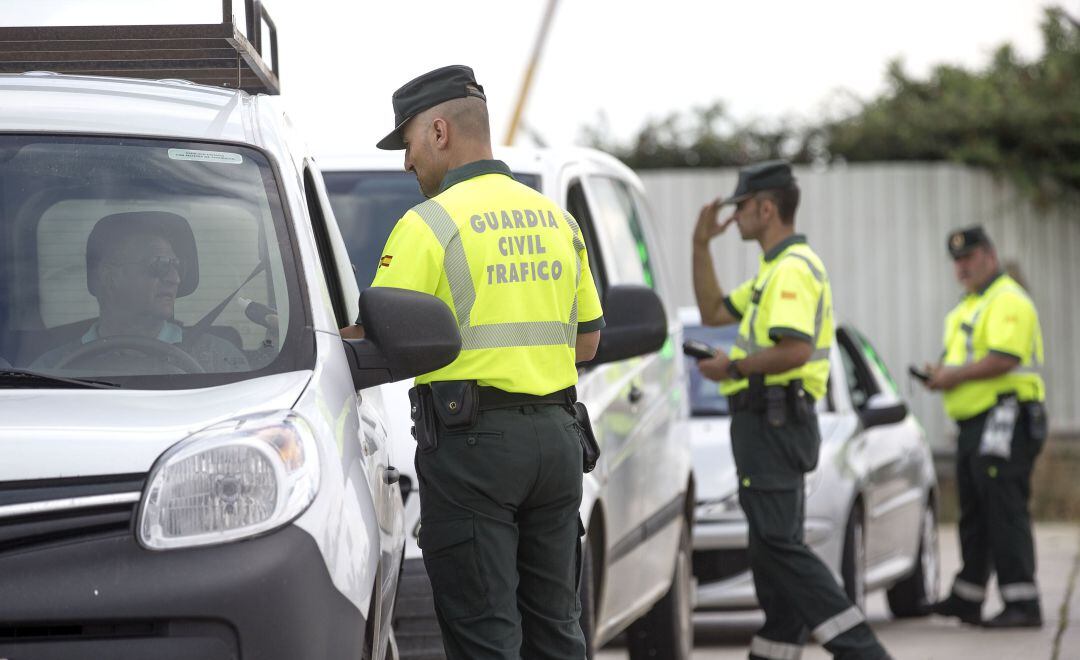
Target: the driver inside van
(137, 265)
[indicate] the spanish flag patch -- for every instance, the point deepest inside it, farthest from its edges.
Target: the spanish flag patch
(385, 261)
(787, 295)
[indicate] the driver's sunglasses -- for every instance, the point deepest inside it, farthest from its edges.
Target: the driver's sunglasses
(159, 266)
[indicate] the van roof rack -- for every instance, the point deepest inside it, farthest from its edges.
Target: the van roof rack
(210, 54)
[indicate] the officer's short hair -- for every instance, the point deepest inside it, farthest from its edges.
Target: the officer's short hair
(786, 200)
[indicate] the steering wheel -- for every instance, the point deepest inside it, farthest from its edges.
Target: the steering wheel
(145, 345)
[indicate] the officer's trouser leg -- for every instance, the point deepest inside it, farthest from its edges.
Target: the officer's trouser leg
(800, 593)
(488, 497)
(548, 551)
(969, 585)
(1005, 486)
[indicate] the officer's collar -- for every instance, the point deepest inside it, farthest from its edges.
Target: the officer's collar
(794, 239)
(474, 169)
(993, 280)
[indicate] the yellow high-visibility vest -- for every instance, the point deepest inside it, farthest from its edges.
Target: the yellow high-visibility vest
(790, 296)
(999, 319)
(512, 267)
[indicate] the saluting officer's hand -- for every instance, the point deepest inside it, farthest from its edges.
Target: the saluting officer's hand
(708, 223)
(714, 368)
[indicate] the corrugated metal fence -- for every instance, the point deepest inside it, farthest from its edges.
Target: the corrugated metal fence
(881, 229)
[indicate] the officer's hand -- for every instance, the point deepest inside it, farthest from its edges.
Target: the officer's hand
(714, 368)
(943, 378)
(708, 223)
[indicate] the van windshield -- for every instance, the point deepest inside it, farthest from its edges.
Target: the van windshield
(367, 205)
(147, 263)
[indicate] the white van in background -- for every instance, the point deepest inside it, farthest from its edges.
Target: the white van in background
(638, 503)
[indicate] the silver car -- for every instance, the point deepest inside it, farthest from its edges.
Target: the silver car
(871, 509)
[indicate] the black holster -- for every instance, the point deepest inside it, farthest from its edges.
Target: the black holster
(422, 412)
(1035, 411)
(590, 449)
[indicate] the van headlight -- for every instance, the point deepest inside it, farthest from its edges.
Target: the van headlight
(230, 481)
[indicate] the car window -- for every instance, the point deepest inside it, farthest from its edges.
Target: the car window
(614, 210)
(883, 379)
(174, 255)
(705, 397)
(578, 207)
(367, 205)
(858, 388)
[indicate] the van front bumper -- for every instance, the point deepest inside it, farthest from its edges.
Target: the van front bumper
(107, 597)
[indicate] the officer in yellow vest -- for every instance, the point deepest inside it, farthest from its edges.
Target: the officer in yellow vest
(499, 454)
(778, 367)
(989, 375)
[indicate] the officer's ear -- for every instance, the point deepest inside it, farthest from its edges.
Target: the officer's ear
(440, 132)
(767, 207)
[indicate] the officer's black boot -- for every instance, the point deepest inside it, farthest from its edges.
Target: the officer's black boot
(1017, 615)
(966, 611)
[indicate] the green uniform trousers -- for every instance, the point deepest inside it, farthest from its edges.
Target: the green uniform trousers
(995, 525)
(795, 589)
(499, 529)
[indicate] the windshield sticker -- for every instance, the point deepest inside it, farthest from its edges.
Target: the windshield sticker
(206, 156)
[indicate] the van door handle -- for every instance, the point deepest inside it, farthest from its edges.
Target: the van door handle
(391, 475)
(635, 394)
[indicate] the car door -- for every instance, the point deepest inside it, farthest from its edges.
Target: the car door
(892, 493)
(645, 482)
(368, 446)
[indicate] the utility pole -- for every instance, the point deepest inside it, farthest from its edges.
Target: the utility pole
(526, 83)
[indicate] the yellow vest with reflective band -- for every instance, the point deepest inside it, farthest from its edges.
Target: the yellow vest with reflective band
(1000, 319)
(790, 297)
(511, 266)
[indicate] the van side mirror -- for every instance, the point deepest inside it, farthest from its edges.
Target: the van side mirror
(406, 333)
(636, 324)
(882, 409)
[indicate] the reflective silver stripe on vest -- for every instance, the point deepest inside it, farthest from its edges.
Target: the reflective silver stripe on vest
(766, 648)
(967, 591)
(459, 279)
(749, 344)
(1019, 591)
(838, 625)
(455, 263)
(579, 245)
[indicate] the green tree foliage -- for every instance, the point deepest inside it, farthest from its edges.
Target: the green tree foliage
(1018, 119)
(1014, 118)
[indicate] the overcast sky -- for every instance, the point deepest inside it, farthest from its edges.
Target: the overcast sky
(767, 59)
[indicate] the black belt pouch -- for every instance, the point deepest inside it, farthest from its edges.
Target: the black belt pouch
(1036, 418)
(423, 418)
(590, 450)
(456, 402)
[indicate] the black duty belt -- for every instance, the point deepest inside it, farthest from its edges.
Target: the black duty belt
(745, 400)
(492, 398)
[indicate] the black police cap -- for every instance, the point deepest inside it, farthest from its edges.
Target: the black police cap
(428, 91)
(962, 241)
(768, 175)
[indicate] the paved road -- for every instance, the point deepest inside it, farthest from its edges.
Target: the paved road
(727, 636)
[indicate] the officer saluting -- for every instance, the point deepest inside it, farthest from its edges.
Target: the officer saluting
(777, 368)
(498, 458)
(992, 388)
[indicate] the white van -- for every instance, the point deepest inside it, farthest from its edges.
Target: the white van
(193, 463)
(638, 503)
